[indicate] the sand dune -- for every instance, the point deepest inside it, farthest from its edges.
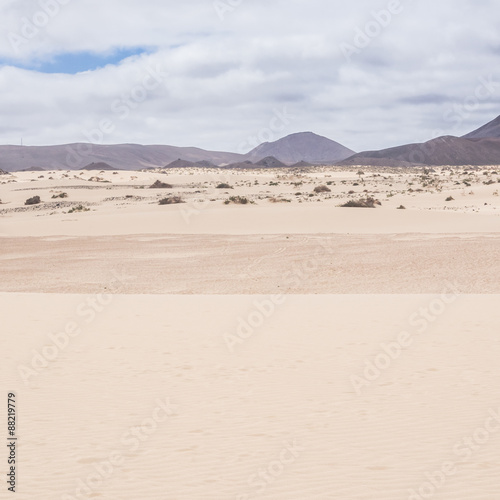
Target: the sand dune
(216, 424)
(296, 264)
(280, 349)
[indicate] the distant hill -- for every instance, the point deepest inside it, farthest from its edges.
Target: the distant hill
(179, 163)
(33, 169)
(490, 130)
(447, 150)
(119, 157)
(304, 146)
(98, 166)
(270, 162)
(205, 164)
(480, 147)
(240, 164)
(301, 164)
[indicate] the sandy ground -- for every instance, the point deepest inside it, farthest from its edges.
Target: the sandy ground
(285, 348)
(295, 264)
(154, 399)
(279, 203)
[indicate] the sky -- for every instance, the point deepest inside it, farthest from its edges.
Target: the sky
(230, 74)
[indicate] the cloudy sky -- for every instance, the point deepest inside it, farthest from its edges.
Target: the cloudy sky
(228, 74)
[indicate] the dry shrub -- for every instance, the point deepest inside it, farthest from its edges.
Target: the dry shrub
(362, 203)
(322, 189)
(279, 200)
(160, 185)
(33, 201)
(171, 200)
(238, 200)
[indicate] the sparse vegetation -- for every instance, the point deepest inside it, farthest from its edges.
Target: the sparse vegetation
(33, 201)
(279, 200)
(401, 207)
(223, 185)
(60, 195)
(238, 200)
(79, 208)
(160, 185)
(450, 198)
(171, 200)
(362, 203)
(322, 189)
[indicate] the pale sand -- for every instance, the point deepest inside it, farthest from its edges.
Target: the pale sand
(289, 379)
(215, 264)
(236, 412)
(475, 209)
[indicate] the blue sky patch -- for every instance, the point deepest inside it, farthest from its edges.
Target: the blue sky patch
(72, 63)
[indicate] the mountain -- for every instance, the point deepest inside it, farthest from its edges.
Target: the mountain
(480, 147)
(270, 162)
(179, 163)
(34, 169)
(205, 164)
(304, 146)
(491, 129)
(447, 150)
(98, 166)
(301, 164)
(118, 157)
(240, 164)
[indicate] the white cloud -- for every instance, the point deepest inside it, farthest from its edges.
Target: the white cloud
(223, 80)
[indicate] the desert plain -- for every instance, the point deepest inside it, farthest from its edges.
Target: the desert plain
(251, 337)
